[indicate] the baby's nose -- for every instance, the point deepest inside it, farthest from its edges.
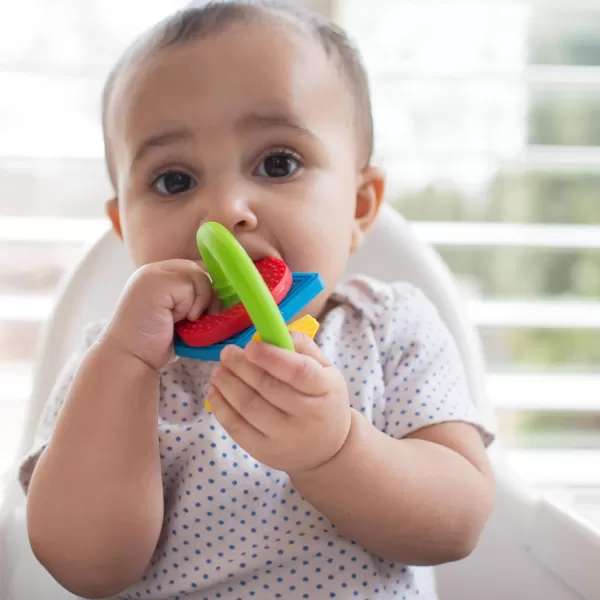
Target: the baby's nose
(234, 212)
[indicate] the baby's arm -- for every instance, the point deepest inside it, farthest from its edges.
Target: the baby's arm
(417, 492)
(95, 501)
(421, 490)
(95, 497)
(421, 500)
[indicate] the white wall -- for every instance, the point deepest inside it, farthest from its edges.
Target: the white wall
(323, 7)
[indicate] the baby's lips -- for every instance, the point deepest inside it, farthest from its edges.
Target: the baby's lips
(258, 249)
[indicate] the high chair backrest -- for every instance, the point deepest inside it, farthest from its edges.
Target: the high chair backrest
(390, 253)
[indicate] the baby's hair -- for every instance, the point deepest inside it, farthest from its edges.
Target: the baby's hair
(200, 19)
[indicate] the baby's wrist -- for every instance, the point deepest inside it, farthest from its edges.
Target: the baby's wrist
(338, 459)
(111, 348)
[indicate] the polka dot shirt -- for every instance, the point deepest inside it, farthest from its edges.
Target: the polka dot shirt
(236, 529)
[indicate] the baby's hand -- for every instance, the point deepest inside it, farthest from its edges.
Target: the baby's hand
(156, 297)
(288, 410)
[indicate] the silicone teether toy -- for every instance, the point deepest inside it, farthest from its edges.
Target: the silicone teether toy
(212, 329)
(250, 294)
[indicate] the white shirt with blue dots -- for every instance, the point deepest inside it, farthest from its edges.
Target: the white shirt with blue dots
(236, 529)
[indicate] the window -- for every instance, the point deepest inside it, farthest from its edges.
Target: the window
(487, 119)
(54, 59)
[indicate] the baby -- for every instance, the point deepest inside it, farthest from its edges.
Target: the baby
(343, 470)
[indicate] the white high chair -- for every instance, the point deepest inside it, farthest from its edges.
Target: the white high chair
(531, 549)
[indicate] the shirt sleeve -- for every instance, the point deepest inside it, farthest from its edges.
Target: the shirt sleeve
(423, 373)
(53, 406)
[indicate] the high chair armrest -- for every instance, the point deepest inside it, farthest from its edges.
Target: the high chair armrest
(531, 549)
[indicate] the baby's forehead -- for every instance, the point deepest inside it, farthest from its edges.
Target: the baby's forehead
(264, 65)
(282, 46)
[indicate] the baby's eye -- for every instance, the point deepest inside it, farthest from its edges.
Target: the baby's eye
(173, 182)
(278, 164)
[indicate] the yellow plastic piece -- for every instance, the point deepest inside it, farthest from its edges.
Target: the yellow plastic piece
(306, 324)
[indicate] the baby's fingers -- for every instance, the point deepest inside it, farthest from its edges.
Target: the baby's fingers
(302, 372)
(191, 290)
(304, 345)
(203, 295)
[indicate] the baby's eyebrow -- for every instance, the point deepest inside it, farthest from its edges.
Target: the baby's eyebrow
(161, 139)
(255, 120)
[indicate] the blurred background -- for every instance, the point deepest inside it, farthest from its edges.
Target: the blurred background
(488, 123)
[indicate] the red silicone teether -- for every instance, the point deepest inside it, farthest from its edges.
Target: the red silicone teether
(212, 329)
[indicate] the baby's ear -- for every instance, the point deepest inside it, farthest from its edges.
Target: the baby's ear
(369, 196)
(112, 210)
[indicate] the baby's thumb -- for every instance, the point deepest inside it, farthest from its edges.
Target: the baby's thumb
(203, 295)
(304, 345)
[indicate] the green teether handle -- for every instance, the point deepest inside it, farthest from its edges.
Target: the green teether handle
(231, 269)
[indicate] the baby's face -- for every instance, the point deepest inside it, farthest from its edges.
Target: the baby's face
(252, 127)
